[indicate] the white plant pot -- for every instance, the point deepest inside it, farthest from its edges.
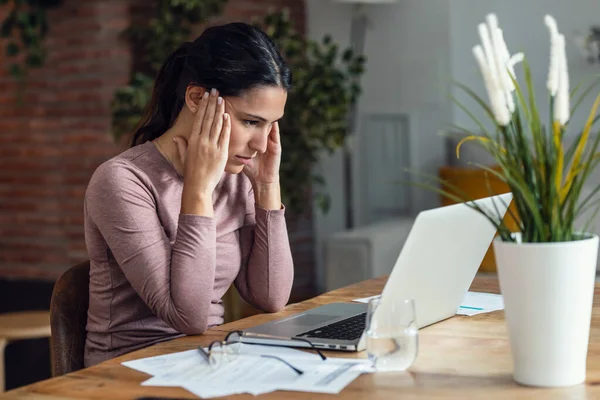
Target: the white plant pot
(548, 292)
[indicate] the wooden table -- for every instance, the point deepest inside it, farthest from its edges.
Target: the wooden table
(460, 358)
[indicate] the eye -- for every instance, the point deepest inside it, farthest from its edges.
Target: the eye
(250, 122)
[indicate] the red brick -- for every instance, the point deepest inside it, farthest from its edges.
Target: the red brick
(44, 205)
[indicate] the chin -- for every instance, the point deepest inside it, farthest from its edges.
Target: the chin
(234, 169)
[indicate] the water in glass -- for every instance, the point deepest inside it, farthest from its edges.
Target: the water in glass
(392, 335)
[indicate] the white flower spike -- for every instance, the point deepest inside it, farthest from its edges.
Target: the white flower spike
(497, 68)
(495, 93)
(558, 73)
(494, 59)
(561, 102)
(553, 71)
(486, 42)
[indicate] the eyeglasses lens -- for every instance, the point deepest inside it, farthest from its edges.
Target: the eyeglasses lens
(216, 353)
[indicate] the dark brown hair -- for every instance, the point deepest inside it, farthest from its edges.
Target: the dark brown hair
(231, 58)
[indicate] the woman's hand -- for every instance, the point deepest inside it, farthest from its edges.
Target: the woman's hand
(264, 168)
(205, 154)
(263, 172)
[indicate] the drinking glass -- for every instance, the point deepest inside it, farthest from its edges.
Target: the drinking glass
(392, 336)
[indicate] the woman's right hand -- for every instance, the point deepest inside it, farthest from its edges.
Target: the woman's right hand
(205, 154)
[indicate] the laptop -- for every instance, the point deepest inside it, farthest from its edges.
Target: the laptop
(436, 267)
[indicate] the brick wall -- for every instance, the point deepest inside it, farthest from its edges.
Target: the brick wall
(52, 143)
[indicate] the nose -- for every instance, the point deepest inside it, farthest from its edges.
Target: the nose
(259, 141)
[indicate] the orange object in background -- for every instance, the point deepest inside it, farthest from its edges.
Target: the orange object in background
(472, 181)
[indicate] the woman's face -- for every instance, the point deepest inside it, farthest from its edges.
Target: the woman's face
(252, 117)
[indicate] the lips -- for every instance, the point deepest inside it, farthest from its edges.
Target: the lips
(244, 160)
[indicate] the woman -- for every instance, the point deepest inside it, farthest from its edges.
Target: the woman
(195, 204)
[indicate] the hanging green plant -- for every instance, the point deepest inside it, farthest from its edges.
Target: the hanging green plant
(25, 27)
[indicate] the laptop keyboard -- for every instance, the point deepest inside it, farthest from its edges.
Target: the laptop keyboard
(346, 329)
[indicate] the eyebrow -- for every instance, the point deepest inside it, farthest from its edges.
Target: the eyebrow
(259, 117)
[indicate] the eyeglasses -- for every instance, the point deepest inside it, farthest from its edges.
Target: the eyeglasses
(229, 349)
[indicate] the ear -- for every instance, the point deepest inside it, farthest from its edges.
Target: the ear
(193, 94)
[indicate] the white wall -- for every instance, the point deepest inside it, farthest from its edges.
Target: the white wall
(408, 53)
(407, 72)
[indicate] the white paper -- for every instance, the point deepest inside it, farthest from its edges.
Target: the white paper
(244, 370)
(257, 376)
(251, 373)
(165, 362)
(329, 378)
(478, 303)
(473, 303)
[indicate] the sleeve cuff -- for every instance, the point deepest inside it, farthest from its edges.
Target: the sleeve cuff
(196, 220)
(264, 213)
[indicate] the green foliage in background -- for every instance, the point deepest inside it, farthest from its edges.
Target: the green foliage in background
(155, 38)
(25, 26)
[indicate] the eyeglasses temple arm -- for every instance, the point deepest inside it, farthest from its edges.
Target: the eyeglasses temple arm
(313, 347)
(204, 353)
(298, 371)
(323, 357)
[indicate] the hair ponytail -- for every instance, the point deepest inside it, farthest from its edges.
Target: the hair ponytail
(231, 58)
(165, 103)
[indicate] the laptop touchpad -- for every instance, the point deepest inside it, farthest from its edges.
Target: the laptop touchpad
(309, 319)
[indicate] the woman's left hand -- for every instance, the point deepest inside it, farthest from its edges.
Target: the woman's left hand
(263, 170)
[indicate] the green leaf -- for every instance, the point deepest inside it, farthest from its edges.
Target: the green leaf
(584, 204)
(323, 201)
(593, 216)
(347, 55)
(16, 71)
(478, 99)
(520, 189)
(35, 59)
(22, 18)
(484, 131)
(583, 95)
(7, 26)
(12, 49)
(531, 93)
(523, 104)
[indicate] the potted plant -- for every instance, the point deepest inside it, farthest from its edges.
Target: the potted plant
(547, 266)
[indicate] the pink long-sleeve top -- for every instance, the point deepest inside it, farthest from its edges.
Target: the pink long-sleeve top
(156, 273)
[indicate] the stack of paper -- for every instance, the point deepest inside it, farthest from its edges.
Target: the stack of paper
(473, 303)
(251, 372)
